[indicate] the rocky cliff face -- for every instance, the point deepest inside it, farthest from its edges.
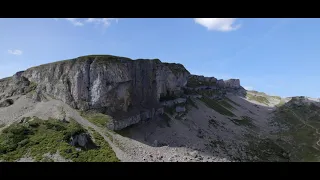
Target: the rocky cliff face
(129, 90)
(108, 82)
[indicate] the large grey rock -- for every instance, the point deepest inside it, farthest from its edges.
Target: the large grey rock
(109, 82)
(232, 83)
(6, 103)
(180, 109)
(82, 140)
(118, 124)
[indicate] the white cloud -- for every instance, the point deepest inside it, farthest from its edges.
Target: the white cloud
(218, 24)
(75, 21)
(15, 52)
(105, 22)
(249, 88)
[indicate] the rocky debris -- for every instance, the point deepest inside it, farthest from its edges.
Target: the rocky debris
(193, 154)
(6, 103)
(56, 157)
(180, 109)
(82, 140)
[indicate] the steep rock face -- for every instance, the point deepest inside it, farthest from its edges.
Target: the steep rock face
(108, 82)
(232, 83)
(16, 85)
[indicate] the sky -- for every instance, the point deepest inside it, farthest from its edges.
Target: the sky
(276, 56)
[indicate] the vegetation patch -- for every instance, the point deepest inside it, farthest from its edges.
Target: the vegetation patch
(170, 110)
(276, 97)
(37, 137)
(229, 100)
(300, 139)
(191, 103)
(168, 97)
(99, 119)
(176, 68)
(244, 121)
(213, 104)
(193, 82)
(2, 125)
(281, 103)
(266, 150)
(260, 99)
(226, 104)
(213, 123)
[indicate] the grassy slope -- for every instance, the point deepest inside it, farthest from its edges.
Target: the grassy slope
(37, 137)
(257, 98)
(303, 138)
(98, 119)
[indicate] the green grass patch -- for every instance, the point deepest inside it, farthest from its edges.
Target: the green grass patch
(98, 119)
(281, 103)
(37, 137)
(276, 97)
(226, 104)
(191, 103)
(260, 99)
(2, 125)
(213, 104)
(229, 100)
(176, 68)
(266, 150)
(302, 137)
(244, 121)
(170, 110)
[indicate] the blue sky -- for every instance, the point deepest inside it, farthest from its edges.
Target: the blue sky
(276, 56)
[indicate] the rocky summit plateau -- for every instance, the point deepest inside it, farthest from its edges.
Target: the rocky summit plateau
(107, 108)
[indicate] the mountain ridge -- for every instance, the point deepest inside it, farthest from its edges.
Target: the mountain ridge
(147, 110)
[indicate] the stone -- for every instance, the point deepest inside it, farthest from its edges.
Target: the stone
(180, 109)
(6, 103)
(155, 143)
(82, 140)
(193, 154)
(232, 83)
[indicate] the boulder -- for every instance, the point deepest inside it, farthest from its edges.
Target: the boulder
(180, 109)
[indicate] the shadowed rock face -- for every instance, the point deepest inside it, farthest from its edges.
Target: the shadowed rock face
(108, 82)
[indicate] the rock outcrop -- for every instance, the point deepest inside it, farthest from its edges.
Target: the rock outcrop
(145, 115)
(232, 83)
(82, 140)
(108, 82)
(128, 90)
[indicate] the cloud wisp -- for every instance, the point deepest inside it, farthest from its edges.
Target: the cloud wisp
(105, 22)
(249, 88)
(16, 52)
(218, 24)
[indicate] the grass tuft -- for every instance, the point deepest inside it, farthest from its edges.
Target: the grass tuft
(213, 104)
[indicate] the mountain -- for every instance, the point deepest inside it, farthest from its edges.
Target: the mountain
(108, 108)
